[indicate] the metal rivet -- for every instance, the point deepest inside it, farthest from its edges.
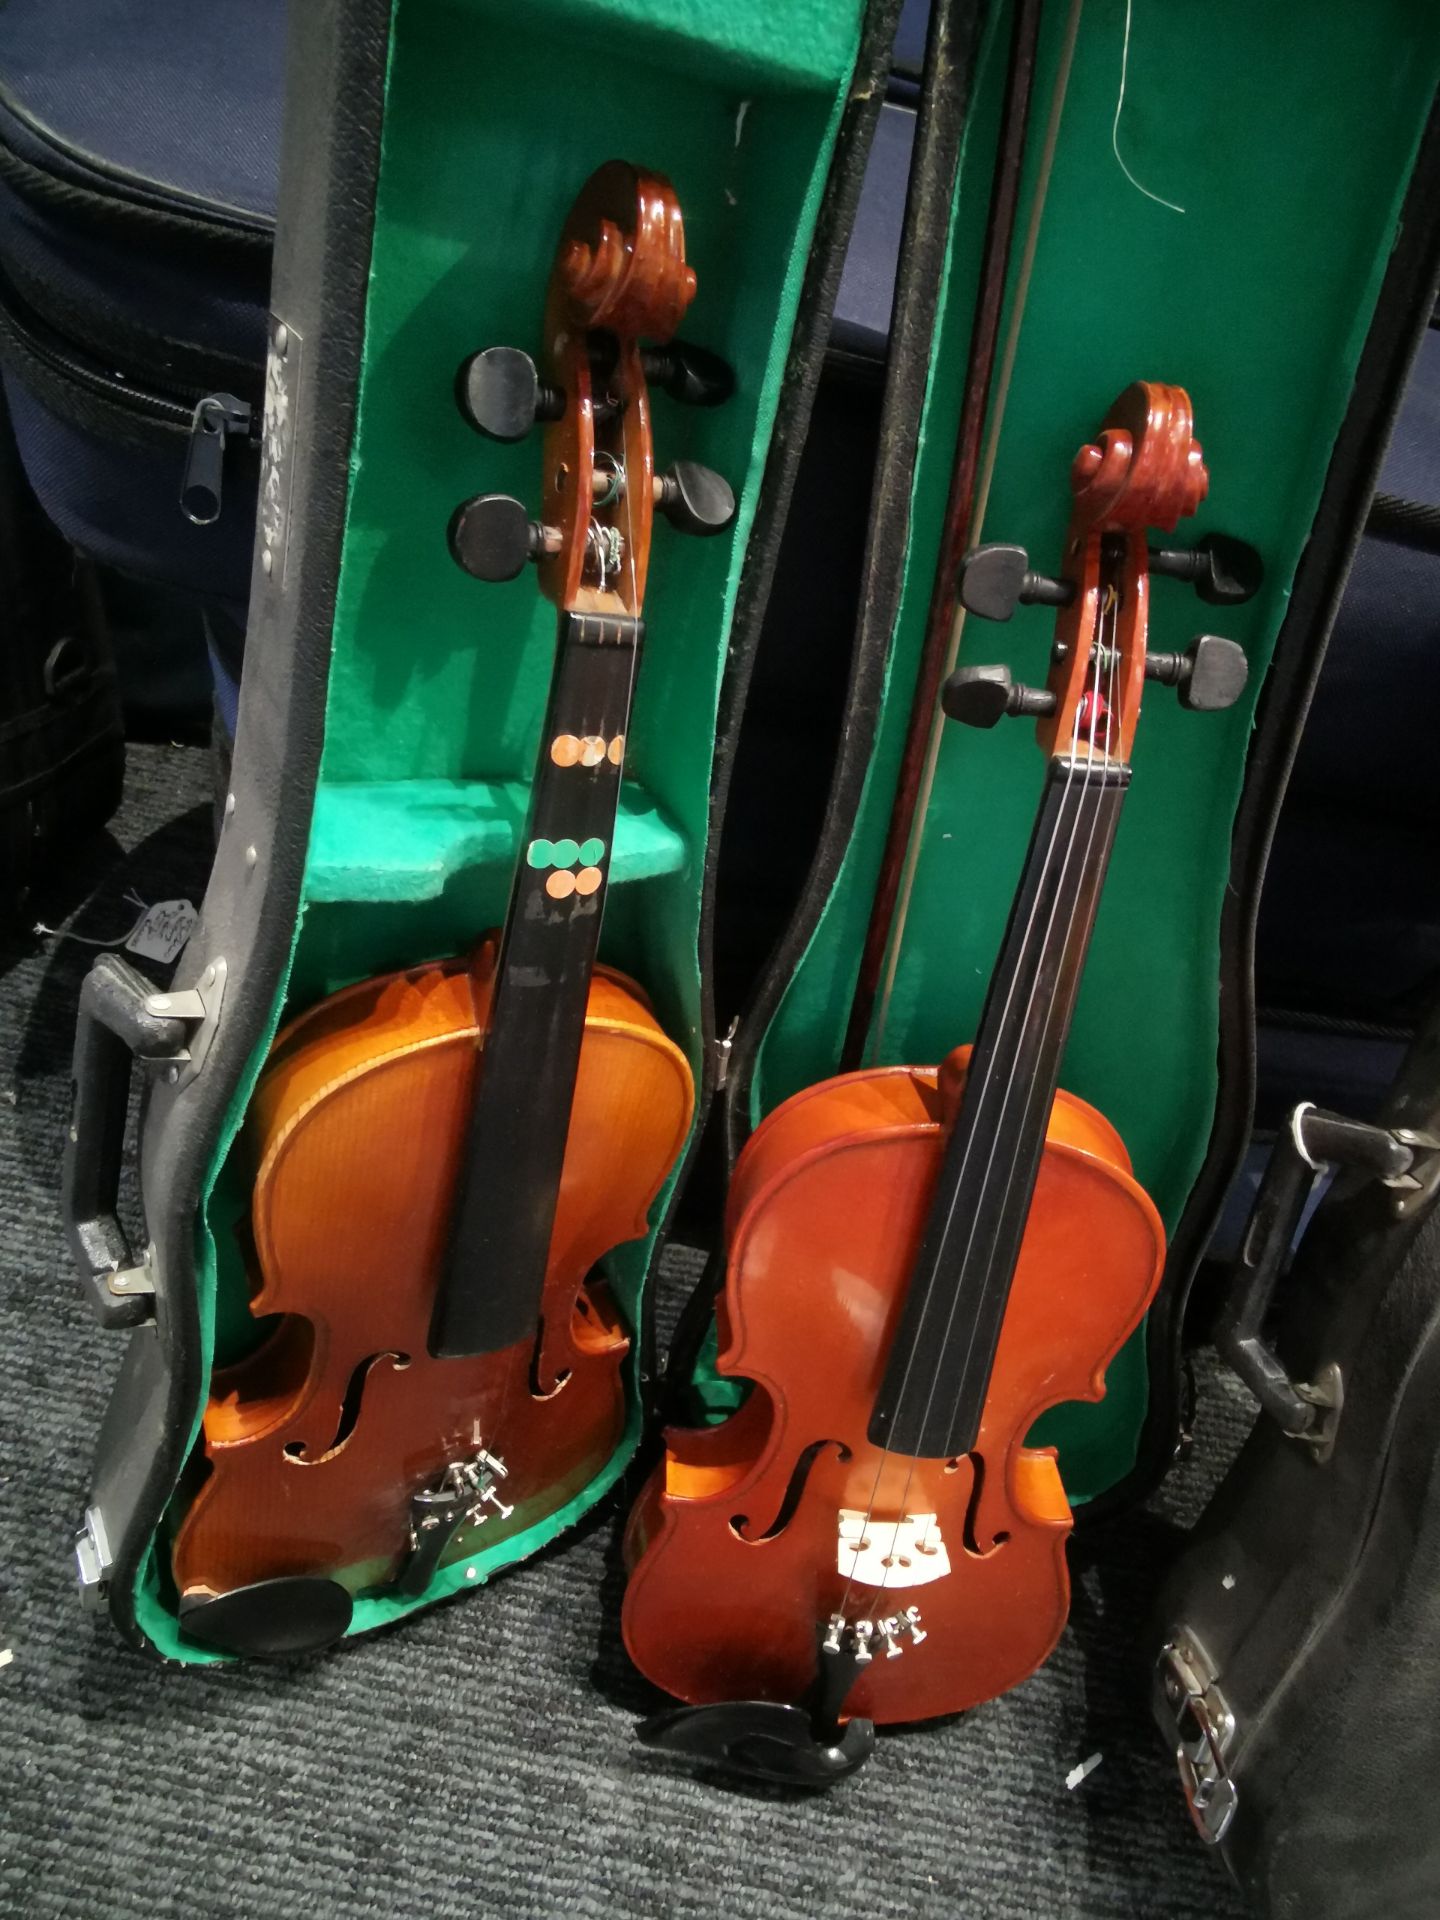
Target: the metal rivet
(267, 560)
(282, 340)
(173, 1075)
(472, 1573)
(251, 856)
(229, 805)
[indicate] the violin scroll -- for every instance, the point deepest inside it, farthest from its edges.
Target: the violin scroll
(619, 289)
(1144, 468)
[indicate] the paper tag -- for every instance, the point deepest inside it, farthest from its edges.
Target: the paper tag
(164, 930)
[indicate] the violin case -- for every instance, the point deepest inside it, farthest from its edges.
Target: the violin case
(1297, 1638)
(390, 705)
(1218, 245)
(1297, 1634)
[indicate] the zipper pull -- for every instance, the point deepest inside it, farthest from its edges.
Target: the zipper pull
(218, 417)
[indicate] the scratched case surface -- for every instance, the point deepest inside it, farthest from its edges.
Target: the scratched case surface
(391, 708)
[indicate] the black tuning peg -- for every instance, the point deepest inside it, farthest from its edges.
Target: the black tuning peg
(492, 536)
(694, 499)
(1210, 675)
(1222, 570)
(979, 696)
(994, 580)
(501, 394)
(692, 375)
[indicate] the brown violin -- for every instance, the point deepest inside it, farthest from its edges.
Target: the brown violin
(920, 1262)
(446, 1154)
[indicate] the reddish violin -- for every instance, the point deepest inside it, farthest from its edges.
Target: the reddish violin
(921, 1261)
(446, 1154)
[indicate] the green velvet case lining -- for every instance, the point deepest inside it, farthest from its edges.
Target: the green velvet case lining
(1288, 135)
(495, 116)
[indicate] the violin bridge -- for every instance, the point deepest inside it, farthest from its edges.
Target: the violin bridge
(890, 1553)
(466, 1495)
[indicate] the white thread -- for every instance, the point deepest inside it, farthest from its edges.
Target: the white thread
(1158, 198)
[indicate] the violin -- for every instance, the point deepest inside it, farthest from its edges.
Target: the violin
(446, 1154)
(921, 1261)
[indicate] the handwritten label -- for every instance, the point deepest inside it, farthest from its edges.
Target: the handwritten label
(163, 930)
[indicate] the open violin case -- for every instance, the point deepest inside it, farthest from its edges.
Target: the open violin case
(390, 704)
(1227, 253)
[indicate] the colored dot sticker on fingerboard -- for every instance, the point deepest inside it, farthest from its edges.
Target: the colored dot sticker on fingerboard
(587, 749)
(574, 865)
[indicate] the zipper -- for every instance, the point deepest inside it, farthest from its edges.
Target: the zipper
(211, 422)
(217, 420)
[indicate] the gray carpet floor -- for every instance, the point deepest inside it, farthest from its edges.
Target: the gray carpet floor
(479, 1760)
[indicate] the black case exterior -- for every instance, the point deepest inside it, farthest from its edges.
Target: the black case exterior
(332, 144)
(1311, 1587)
(331, 148)
(1407, 300)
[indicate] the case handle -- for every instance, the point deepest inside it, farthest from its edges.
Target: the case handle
(115, 1027)
(1311, 1141)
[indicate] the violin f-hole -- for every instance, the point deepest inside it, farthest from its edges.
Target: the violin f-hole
(970, 1532)
(799, 1475)
(299, 1453)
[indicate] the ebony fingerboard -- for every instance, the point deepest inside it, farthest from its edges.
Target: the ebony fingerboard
(490, 1292)
(938, 1370)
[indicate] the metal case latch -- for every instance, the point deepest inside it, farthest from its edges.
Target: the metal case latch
(1188, 1701)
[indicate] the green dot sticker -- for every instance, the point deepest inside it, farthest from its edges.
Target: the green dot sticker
(541, 853)
(565, 853)
(591, 852)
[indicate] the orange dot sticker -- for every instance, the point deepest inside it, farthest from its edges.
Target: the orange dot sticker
(587, 880)
(617, 750)
(564, 749)
(561, 885)
(592, 750)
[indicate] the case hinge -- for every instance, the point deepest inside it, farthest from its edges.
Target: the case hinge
(199, 1007)
(723, 1048)
(93, 1560)
(1190, 1705)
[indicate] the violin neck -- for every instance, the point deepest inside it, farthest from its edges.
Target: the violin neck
(938, 1369)
(491, 1288)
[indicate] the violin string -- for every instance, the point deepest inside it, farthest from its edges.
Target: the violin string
(901, 1397)
(1105, 659)
(1028, 1092)
(1046, 864)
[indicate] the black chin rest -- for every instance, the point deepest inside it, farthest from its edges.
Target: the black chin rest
(297, 1614)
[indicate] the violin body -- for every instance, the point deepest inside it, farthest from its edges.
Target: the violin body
(317, 1441)
(444, 1156)
(737, 1544)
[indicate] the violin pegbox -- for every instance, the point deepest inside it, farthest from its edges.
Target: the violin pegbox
(1144, 469)
(619, 288)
